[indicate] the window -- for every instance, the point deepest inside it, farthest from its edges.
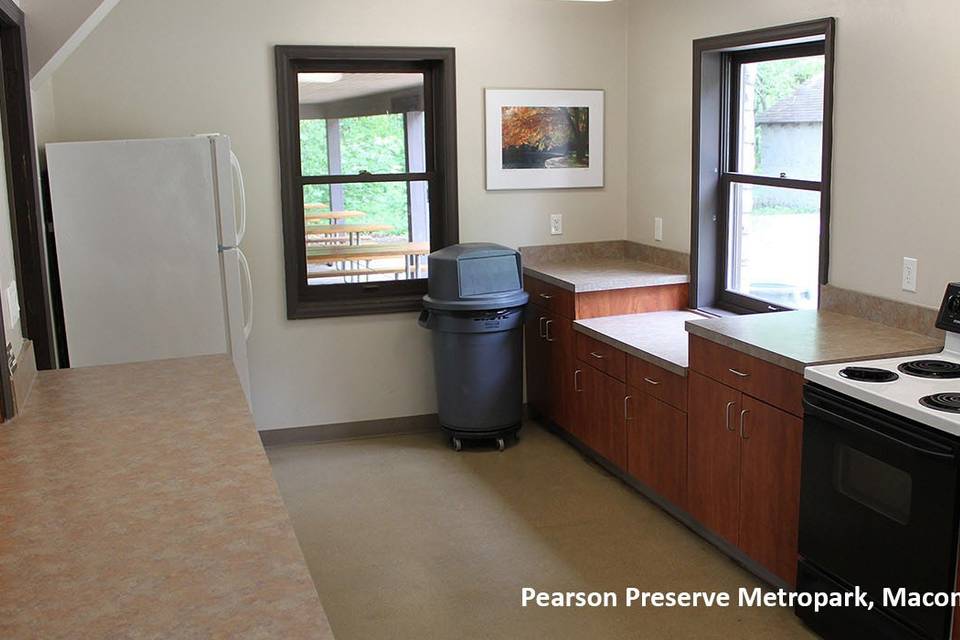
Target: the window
(368, 170)
(762, 168)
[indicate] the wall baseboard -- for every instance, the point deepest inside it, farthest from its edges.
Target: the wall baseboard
(350, 430)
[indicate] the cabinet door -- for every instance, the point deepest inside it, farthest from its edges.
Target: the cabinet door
(558, 336)
(657, 446)
(713, 455)
(605, 423)
(537, 361)
(578, 407)
(770, 446)
(569, 396)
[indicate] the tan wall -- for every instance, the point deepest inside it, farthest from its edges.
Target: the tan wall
(50, 23)
(897, 137)
(178, 67)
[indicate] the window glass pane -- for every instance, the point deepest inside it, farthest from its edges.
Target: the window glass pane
(366, 232)
(373, 144)
(773, 251)
(780, 116)
(361, 122)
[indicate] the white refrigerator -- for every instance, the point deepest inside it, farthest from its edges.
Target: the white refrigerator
(147, 246)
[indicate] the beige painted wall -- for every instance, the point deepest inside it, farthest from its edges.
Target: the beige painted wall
(50, 23)
(897, 135)
(178, 67)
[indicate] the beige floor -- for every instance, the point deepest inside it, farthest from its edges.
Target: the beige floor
(408, 540)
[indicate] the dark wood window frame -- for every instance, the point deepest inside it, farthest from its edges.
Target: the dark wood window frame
(714, 156)
(438, 66)
(23, 193)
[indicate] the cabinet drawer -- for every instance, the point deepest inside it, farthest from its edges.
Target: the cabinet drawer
(550, 297)
(602, 356)
(657, 382)
(765, 381)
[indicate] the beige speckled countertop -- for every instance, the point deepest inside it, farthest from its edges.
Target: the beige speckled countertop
(603, 274)
(659, 337)
(798, 339)
(136, 501)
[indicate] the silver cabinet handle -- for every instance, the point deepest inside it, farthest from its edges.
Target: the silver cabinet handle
(576, 381)
(626, 401)
(598, 356)
(743, 433)
(739, 373)
(546, 297)
(726, 415)
(651, 381)
(543, 332)
(547, 332)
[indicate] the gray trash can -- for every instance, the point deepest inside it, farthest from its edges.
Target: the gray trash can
(474, 307)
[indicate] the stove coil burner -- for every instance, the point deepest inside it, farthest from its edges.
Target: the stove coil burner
(868, 374)
(949, 402)
(931, 369)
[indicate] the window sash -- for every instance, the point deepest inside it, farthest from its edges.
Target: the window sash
(726, 298)
(735, 300)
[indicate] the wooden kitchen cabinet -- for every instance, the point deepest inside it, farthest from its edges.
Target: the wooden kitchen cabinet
(537, 360)
(657, 445)
(602, 356)
(770, 486)
(713, 456)
(600, 413)
(763, 380)
(743, 472)
(549, 352)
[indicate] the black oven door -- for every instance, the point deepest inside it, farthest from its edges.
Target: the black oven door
(878, 503)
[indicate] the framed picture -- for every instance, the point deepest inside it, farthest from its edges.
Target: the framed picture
(544, 139)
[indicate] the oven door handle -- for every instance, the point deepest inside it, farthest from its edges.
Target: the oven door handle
(944, 453)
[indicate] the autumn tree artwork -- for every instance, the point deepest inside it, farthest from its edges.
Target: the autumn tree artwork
(545, 137)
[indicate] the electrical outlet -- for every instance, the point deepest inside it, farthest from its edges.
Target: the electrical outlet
(910, 274)
(658, 229)
(556, 224)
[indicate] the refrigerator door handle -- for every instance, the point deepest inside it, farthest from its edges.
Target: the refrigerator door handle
(241, 197)
(247, 322)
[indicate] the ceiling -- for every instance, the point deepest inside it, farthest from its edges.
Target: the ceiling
(356, 85)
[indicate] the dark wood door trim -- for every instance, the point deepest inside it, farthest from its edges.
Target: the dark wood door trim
(23, 185)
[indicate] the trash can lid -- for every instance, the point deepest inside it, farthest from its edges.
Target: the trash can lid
(474, 276)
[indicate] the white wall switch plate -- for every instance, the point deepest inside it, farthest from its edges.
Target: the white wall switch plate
(658, 229)
(556, 224)
(13, 305)
(910, 274)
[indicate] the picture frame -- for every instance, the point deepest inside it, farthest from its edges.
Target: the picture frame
(544, 138)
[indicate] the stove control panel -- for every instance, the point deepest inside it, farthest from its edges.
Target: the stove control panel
(949, 319)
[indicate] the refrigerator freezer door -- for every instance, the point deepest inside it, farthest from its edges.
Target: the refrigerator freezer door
(137, 237)
(240, 197)
(227, 191)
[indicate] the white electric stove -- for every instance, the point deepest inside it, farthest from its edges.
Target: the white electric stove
(921, 388)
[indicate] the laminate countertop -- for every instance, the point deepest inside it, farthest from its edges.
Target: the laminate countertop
(602, 274)
(136, 501)
(659, 337)
(798, 339)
